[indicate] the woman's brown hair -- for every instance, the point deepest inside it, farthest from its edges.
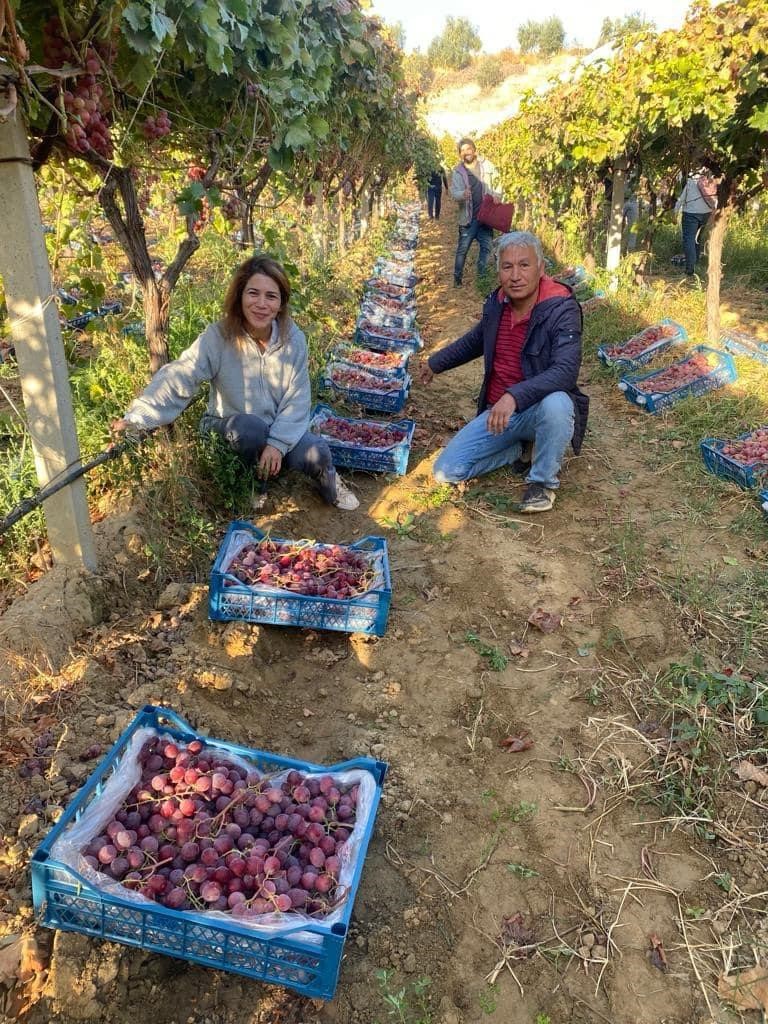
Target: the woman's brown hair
(233, 321)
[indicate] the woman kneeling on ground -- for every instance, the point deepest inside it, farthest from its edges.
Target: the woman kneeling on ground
(256, 360)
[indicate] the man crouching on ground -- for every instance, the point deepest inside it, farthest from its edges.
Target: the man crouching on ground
(530, 340)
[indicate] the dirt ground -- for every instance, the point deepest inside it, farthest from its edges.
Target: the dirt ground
(477, 850)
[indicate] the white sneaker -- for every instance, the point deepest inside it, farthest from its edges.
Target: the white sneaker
(345, 499)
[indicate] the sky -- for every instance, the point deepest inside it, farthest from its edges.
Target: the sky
(422, 20)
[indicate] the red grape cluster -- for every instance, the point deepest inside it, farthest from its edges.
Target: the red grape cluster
(385, 287)
(199, 832)
(676, 376)
(749, 450)
(232, 208)
(85, 104)
(640, 342)
(386, 302)
(156, 127)
(360, 432)
(392, 333)
(332, 571)
(379, 360)
(359, 379)
(203, 215)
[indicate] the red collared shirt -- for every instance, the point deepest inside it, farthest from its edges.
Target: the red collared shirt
(507, 367)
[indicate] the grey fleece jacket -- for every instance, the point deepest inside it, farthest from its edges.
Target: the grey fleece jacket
(460, 182)
(273, 384)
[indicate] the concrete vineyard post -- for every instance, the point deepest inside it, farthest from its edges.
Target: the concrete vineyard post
(613, 246)
(42, 362)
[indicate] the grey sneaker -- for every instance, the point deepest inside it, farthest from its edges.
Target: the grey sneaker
(537, 498)
(345, 499)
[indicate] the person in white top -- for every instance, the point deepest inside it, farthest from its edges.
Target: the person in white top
(696, 202)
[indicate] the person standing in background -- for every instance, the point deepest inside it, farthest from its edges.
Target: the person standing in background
(696, 202)
(437, 182)
(472, 177)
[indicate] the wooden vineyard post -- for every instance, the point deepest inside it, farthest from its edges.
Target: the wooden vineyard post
(613, 245)
(39, 349)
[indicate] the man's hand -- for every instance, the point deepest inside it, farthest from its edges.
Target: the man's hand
(498, 418)
(270, 462)
(467, 193)
(426, 374)
(119, 426)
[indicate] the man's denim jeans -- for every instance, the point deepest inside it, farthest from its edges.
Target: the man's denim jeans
(467, 234)
(475, 451)
(693, 238)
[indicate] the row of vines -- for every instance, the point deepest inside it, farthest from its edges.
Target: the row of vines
(664, 104)
(216, 106)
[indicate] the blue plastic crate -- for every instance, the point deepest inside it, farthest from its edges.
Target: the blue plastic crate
(383, 316)
(764, 501)
(647, 354)
(745, 345)
(343, 354)
(575, 277)
(386, 339)
(723, 372)
(134, 330)
(77, 323)
(304, 956)
(375, 290)
(728, 468)
(393, 459)
(379, 401)
(230, 600)
(110, 308)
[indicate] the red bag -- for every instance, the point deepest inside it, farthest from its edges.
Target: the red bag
(708, 190)
(494, 214)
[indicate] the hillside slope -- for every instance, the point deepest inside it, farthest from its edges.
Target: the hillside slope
(466, 109)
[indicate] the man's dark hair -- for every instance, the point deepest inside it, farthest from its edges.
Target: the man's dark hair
(466, 142)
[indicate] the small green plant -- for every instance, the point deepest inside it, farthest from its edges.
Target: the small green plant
(521, 811)
(497, 660)
(695, 913)
(434, 498)
(488, 999)
(543, 1018)
(522, 871)
(594, 695)
(724, 880)
(403, 524)
(408, 1004)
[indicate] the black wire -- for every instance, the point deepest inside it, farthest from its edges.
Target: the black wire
(76, 470)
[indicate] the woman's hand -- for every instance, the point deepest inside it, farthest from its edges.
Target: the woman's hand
(270, 462)
(426, 373)
(119, 426)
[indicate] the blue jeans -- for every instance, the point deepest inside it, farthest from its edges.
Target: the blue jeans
(475, 451)
(693, 238)
(467, 234)
(247, 435)
(434, 201)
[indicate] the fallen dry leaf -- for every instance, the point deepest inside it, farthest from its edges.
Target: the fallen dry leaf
(749, 772)
(518, 651)
(547, 622)
(10, 958)
(748, 990)
(514, 744)
(658, 957)
(515, 933)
